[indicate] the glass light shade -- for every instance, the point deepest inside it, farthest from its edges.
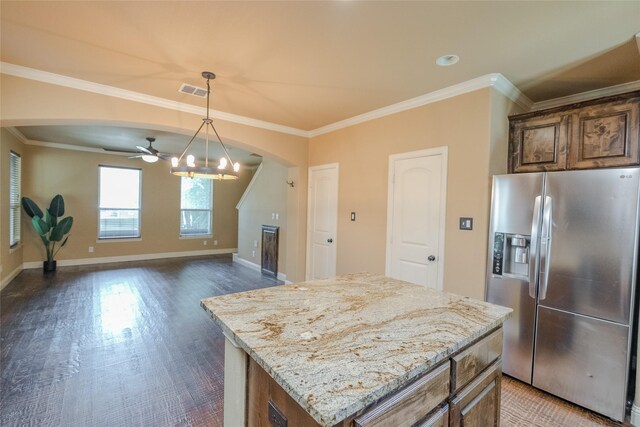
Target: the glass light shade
(149, 158)
(191, 161)
(223, 163)
(236, 167)
(174, 162)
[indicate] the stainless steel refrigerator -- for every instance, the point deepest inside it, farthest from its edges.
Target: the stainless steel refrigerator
(563, 251)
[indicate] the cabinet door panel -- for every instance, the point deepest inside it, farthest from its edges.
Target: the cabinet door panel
(605, 135)
(539, 144)
(478, 404)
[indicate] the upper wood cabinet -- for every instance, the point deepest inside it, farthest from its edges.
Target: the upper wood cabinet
(594, 134)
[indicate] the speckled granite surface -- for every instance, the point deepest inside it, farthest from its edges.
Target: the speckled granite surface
(338, 345)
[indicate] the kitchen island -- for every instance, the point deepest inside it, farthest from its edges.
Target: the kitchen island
(359, 350)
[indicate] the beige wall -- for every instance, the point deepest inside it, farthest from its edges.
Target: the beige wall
(266, 196)
(28, 102)
(464, 125)
(10, 259)
(74, 174)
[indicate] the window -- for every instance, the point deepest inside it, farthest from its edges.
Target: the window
(119, 207)
(195, 206)
(14, 198)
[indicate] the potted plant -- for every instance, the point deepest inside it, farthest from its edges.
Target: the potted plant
(51, 230)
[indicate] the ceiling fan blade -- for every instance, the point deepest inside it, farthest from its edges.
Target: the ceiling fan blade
(119, 151)
(150, 150)
(137, 156)
(164, 156)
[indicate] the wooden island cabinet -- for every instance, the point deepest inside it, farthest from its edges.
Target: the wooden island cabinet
(599, 133)
(359, 350)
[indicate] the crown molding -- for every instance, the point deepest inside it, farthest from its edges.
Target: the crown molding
(73, 83)
(587, 96)
(495, 80)
(73, 147)
(15, 132)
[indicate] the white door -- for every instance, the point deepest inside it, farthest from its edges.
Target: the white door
(416, 216)
(322, 221)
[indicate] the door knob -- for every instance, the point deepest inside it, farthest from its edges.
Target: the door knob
(432, 258)
(329, 240)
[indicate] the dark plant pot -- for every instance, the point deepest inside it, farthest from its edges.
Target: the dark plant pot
(48, 266)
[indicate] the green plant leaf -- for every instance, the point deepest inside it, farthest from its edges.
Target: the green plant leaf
(31, 208)
(64, 242)
(50, 219)
(56, 208)
(63, 227)
(42, 228)
(46, 243)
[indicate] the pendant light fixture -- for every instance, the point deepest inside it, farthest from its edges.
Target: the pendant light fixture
(226, 168)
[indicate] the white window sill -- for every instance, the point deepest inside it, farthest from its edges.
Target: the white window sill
(196, 236)
(119, 239)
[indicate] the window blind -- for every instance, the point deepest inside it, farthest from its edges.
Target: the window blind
(14, 198)
(119, 206)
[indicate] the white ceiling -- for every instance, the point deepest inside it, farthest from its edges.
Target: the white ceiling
(306, 65)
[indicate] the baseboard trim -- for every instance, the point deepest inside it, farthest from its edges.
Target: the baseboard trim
(125, 258)
(11, 276)
(256, 267)
(635, 415)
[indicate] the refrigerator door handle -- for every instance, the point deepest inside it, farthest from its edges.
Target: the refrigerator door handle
(533, 247)
(545, 246)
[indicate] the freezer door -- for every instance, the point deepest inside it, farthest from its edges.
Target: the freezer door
(512, 212)
(583, 360)
(588, 261)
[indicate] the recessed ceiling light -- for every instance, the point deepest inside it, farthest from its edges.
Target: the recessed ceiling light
(446, 60)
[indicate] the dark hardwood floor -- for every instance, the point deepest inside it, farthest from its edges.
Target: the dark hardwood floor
(128, 345)
(116, 344)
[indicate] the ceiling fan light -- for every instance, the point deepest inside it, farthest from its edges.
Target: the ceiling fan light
(149, 158)
(236, 167)
(223, 163)
(191, 160)
(174, 162)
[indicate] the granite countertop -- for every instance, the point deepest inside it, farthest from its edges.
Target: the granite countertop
(340, 344)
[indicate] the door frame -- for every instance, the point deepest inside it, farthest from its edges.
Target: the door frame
(336, 167)
(437, 151)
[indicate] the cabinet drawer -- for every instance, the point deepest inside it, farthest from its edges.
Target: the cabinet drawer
(440, 418)
(467, 364)
(410, 404)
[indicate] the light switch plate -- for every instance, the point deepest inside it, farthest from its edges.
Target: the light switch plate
(466, 223)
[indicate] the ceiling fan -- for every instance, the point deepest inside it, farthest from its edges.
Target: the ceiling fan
(148, 154)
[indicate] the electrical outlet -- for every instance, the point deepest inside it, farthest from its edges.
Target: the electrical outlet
(204, 243)
(253, 254)
(277, 216)
(215, 243)
(255, 243)
(276, 418)
(90, 249)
